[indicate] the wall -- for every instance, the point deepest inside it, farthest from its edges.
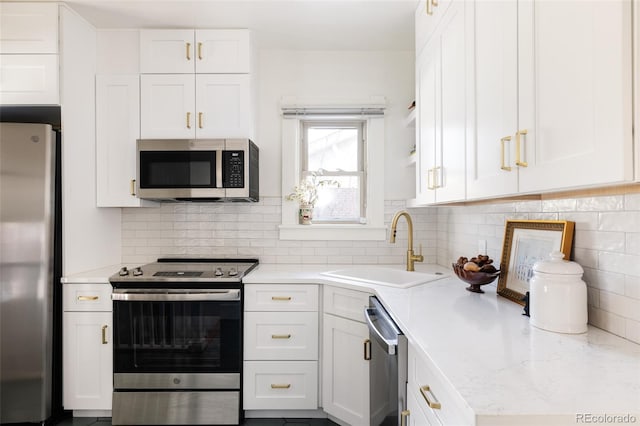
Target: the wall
(606, 244)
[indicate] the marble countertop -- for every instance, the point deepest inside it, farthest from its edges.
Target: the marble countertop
(500, 365)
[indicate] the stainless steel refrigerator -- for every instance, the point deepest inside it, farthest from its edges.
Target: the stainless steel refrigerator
(27, 282)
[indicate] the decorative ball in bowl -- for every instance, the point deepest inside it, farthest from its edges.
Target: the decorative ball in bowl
(476, 272)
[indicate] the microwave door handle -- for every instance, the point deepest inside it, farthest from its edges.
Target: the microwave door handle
(219, 168)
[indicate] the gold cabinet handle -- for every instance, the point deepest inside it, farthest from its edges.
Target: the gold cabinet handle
(188, 51)
(281, 336)
(403, 417)
(280, 386)
(281, 298)
(434, 2)
(503, 141)
(200, 51)
(132, 187)
(188, 120)
(367, 350)
(433, 402)
(87, 298)
(429, 8)
(104, 335)
(519, 162)
(200, 120)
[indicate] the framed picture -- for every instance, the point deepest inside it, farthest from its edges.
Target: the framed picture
(525, 243)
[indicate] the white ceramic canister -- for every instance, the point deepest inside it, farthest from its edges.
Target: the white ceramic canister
(558, 295)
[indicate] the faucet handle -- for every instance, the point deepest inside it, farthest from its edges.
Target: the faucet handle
(419, 257)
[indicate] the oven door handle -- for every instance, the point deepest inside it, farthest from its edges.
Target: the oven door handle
(177, 296)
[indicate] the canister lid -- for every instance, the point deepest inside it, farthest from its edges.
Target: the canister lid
(556, 265)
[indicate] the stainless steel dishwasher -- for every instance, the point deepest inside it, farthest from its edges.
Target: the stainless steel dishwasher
(386, 351)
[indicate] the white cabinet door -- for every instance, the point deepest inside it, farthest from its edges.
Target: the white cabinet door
(28, 28)
(441, 97)
(167, 108)
(167, 52)
(345, 377)
(575, 93)
(222, 51)
(117, 128)
(417, 417)
(87, 361)
(29, 80)
(281, 336)
(493, 113)
(223, 106)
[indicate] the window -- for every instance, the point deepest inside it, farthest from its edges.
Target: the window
(334, 152)
(347, 145)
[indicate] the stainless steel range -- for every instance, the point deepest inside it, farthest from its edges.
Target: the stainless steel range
(177, 342)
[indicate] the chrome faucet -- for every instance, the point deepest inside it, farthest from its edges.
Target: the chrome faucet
(411, 258)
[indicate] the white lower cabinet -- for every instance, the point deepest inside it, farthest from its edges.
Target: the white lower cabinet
(345, 377)
(280, 347)
(87, 347)
(431, 399)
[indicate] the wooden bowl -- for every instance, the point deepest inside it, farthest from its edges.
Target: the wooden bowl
(475, 279)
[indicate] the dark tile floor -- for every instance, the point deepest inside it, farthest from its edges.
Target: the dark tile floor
(106, 421)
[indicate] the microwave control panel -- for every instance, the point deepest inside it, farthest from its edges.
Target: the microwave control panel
(233, 169)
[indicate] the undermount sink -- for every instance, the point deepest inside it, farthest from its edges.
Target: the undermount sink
(384, 276)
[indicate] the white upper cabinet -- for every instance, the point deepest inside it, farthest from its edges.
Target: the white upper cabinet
(117, 128)
(27, 28)
(29, 54)
(440, 99)
(553, 96)
(493, 112)
(189, 51)
(575, 93)
(167, 109)
(190, 106)
(427, 17)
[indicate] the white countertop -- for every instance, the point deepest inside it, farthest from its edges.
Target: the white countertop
(497, 361)
(499, 364)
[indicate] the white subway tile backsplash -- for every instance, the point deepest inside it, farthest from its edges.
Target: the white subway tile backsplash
(606, 244)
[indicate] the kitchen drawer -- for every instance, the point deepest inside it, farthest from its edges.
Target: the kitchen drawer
(418, 414)
(275, 385)
(86, 297)
(281, 297)
(281, 336)
(425, 382)
(345, 303)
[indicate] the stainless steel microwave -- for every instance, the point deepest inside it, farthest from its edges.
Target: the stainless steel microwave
(197, 169)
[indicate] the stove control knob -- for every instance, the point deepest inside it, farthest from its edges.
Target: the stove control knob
(123, 271)
(233, 272)
(137, 271)
(219, 272)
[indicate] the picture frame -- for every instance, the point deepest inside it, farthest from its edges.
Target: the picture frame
(525, 243)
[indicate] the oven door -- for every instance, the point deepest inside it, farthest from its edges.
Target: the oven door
(181, 331)
(177, 168)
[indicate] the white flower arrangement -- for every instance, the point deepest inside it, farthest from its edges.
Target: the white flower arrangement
(306, 192)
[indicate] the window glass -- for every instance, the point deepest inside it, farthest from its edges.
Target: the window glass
(332, 155)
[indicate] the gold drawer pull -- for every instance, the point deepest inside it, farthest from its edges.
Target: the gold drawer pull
(280, 386)
(281, 298)
(188, 46)
(188, 120)
(403, 417)
(104, 335)
(200, 120)
(200, 51)
(433, 402)
(87, 298)
(281, 336)
(132, 187)
(367, 350)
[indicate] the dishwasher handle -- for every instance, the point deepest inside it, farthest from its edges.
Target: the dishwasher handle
(389, 345)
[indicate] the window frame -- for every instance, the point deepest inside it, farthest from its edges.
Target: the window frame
(374, 229)
(361, 172)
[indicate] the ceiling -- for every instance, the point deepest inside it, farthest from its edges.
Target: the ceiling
(275, 24)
